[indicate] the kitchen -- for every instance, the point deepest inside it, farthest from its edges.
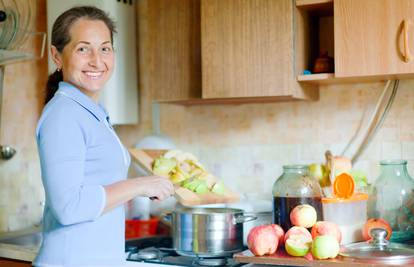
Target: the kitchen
(245, 144)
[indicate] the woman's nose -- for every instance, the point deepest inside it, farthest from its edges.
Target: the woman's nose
(95, 59)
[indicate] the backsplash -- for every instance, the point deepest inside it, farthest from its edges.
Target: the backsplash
(245, 145)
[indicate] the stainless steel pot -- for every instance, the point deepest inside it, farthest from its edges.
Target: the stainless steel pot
(208, 232)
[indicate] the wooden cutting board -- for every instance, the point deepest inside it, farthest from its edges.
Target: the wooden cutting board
(145, 159)
(281, 258)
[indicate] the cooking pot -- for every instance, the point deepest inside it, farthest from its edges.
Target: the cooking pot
(207, 232)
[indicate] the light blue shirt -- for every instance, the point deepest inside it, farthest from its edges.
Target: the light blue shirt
(79, 154)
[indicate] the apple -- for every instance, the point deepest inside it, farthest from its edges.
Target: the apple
(326, 228)
(376, 223)
(303, 215)
(325, 247)
(262, 240)
(280, 233)
(298, 245)
(298, 230)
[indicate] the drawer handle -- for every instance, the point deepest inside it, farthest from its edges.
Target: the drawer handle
(407, 55)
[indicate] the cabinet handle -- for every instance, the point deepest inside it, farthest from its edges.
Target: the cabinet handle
(407, 55)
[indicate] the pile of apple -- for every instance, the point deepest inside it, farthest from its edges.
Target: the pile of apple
(185, 170)
(321, 243)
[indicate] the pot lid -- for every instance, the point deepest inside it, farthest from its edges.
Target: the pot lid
(379, 249)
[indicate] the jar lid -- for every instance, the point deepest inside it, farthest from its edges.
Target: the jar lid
(379, 250)
(344, 185)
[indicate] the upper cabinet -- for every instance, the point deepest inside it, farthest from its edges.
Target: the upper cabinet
(173, 48)
(247, 49)
(374, 37)
(370, 40)
(223, 51)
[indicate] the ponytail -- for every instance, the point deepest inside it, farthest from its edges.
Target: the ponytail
(52, 84)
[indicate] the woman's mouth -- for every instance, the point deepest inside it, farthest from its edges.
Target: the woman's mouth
(94, 75)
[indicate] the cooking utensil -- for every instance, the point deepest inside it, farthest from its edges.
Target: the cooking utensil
(145, 158)
(379, 250)
(208, 232)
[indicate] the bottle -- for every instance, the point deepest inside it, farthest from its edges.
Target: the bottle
(392, 198)
(295, 187)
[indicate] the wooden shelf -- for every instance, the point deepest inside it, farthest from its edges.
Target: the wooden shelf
(330, 78)
(307, 3)
(321, 7)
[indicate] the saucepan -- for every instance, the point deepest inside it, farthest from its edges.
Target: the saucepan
(207, 232)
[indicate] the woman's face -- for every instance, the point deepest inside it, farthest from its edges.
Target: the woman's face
(87, 60)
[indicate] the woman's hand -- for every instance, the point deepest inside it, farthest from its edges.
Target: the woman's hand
(155, 187)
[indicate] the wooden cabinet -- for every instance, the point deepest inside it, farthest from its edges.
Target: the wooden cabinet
(247, 50)
(172, 46)
(223, 51)
(374, 37)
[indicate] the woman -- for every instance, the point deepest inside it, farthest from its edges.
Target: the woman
(84, 164)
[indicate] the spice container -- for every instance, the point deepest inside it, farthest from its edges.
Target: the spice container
(350, 214)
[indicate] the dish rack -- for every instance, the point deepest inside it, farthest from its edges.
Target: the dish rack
(16, 20)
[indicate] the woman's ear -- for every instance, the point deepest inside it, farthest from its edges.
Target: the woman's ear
(56, 57)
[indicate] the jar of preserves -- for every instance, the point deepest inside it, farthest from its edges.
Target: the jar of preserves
(295, 187)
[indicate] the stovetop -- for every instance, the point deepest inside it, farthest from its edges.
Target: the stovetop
(159, 250)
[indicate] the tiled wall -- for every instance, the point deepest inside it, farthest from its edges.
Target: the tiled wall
(247, 145)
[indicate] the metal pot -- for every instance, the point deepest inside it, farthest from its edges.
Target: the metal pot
(208, 232)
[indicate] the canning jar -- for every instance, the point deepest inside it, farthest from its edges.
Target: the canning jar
(392, 199)
(295, 187)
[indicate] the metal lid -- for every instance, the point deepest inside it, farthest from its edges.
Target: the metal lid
(379, 249)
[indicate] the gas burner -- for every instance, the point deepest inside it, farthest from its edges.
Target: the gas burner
(159, 251)
(148, 254)
(211, 261)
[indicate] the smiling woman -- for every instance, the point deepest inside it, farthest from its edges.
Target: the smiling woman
(84, 165)
(88, 59)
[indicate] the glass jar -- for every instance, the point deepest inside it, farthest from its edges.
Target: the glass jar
(392, 199)
(295, 187)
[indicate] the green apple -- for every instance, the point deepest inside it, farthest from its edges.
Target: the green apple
(320, 172)
(325, 247)
(297, 245)
(219, 188)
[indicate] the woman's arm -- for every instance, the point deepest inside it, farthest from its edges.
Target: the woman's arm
(156, 187)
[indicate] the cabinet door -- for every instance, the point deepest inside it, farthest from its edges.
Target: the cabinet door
(369, 37)
(173, 41)
(247, 48)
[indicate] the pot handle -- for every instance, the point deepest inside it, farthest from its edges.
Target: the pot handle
(166, 217)
(244, 218)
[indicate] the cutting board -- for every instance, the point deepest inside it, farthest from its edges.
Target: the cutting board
(281, 258)
(145, 159)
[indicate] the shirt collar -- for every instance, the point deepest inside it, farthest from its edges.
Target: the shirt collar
(85, 101)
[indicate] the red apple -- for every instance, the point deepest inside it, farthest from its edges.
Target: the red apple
(262, 240)
(376, 223)
(280, 233)
(326, 228)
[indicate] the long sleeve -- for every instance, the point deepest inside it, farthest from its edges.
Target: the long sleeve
(62, 148)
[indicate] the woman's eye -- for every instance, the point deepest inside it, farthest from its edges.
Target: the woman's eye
(106, 49)
(82, 49)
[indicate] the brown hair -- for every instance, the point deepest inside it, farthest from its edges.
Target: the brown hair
(61, 37)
